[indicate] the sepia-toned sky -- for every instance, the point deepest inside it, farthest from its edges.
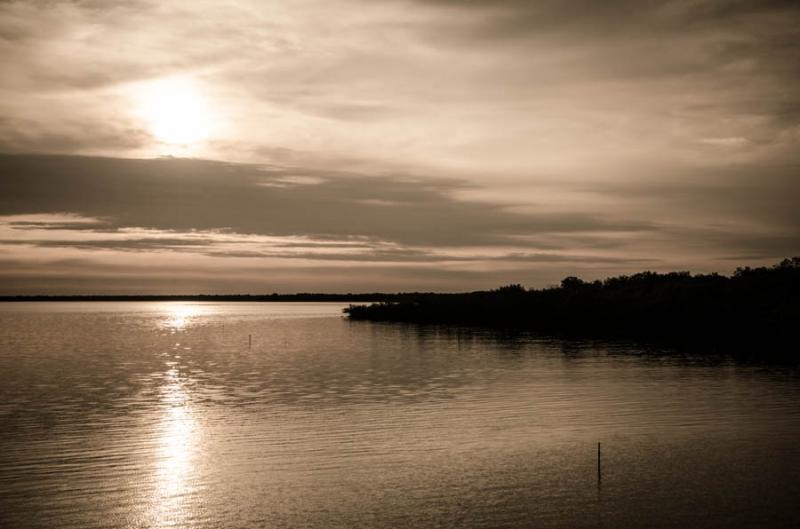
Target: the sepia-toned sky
(383, 145)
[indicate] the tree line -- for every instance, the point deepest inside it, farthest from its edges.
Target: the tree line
(754, 305)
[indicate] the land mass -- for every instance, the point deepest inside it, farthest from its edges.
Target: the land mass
(754, 305)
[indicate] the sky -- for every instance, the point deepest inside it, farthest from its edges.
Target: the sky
(392, 145)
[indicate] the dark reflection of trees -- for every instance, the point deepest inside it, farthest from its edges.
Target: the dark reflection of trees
(754, 306)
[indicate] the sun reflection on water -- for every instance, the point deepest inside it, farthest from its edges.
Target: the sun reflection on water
(177, 432)
(180, 316)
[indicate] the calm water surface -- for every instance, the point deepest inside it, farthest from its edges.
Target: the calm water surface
(160, 415)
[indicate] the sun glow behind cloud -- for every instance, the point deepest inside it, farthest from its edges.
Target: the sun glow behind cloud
(177, 113)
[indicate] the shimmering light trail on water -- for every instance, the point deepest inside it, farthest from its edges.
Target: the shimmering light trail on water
(159, 415)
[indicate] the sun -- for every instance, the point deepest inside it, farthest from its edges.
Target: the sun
(177, 113)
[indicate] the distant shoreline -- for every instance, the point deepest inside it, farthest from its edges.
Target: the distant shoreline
(370, 297)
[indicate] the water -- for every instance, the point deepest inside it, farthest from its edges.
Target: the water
(160, 415)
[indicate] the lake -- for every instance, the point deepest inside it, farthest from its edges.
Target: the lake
(243, 415)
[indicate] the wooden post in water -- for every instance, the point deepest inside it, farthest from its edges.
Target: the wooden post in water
(599, 474)
(249, 341)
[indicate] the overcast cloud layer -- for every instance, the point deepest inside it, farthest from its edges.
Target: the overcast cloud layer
(394, 145)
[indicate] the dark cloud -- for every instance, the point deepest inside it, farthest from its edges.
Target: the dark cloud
(42, 225)
(413, 230)
(80, 276)
(763, 193)
(732, 49)
(617, 18)
(25, 136)
(185, 195)
(423, 256)
(117, 244)
(361, 214)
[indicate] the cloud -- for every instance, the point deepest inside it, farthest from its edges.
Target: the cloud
(184, 195)
(464, 140)
(503, 91)
(503, 86)
(213, 216)
(184, 273)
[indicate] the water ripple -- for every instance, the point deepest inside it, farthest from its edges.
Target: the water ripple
(163, 416)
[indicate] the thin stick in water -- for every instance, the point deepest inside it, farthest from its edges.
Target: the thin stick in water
(599, 474)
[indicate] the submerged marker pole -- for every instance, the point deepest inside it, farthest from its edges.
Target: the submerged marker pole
(599, 475)
(249, 341)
